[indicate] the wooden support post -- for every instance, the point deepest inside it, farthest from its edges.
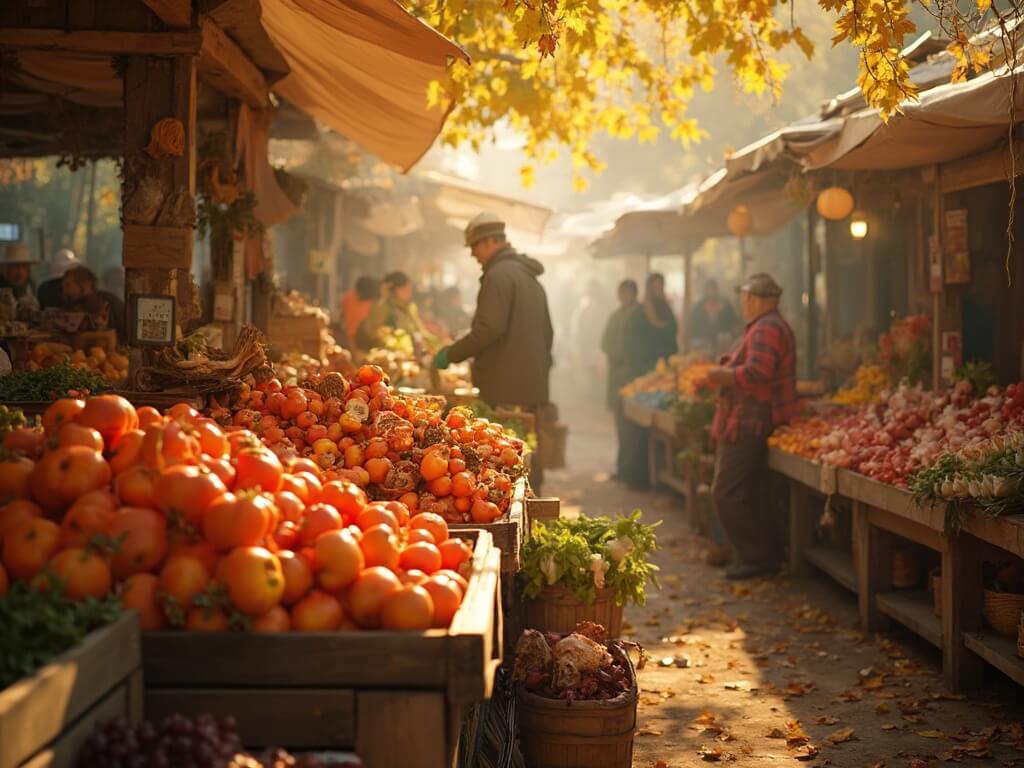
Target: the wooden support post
(961, 611)
(873, 563)
(801, 529)
(156, 88)
(937, 297)
(687, 295)
(813, 263)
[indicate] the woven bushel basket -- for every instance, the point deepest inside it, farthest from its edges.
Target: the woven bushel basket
(1002, 611)
(557, 609)
(580, 734)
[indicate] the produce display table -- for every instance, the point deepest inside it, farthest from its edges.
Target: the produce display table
(341, 690)
(882, 515)
(45, 719)
(664, 443)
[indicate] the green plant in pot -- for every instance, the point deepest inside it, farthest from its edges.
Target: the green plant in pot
(586, 569)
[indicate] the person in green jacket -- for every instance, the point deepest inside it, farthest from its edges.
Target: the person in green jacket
(397, 310)
(613, 344)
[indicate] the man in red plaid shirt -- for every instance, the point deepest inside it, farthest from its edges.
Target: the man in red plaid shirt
(757, 392)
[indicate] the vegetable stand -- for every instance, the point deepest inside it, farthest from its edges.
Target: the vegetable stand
(883, 516)
(46, 717)
(341, 690)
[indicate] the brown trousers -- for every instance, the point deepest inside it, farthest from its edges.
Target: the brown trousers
(741, 501)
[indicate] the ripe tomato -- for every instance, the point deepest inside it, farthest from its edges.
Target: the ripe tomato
(184, 546)
(212, 440)
(368, 375)
(181, 579)
(15, 478)
(207, 620)
(463, 484)
(296, 486)
(380, 546)
(136, 486)
(222, 468)
(254, 579)
(76, 434)
(185, 493)
(168, 444)
(85, 520)
(378, 469)
(419, 534)
(127, 452)
(143, 534)
(376, 514)
(28, 545)
(348, 498)
(15, 512)
(338, 558)
(368, 593)
(441, 486)
(407, 609)
(421, 556)
(484, 511)
(454, 553)
(447, 597)
(410, 501)
(61, 412)
(319, 518)
(434, 465)
(274, 620)
(431, 522)
(183, 412)
(317, 612)
(238, 521)
(110, 415)
(148, 416)
(411, 577)
(139, 593)
(258, 469)
(289, 505)
(457, 578)
(298, 576)
(286, 537)
(64, 474)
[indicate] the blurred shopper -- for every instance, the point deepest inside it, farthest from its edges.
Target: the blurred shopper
(757, 384)
(81, 295)
(451, 311)
(650, 337)
(396, 310)
(356, 305)
(16, 272)
(613, 344)
(511, 336)
(713, 322)
(51, 290)
(588, 319)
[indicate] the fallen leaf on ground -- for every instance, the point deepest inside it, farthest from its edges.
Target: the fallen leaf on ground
(705, 679)
(882, 707)
(825, 720)
(711, 754)
(873, 683)
(841, 736)
(647, 730)
(739, 685)
(804, 752)
(932, 734)
(850, 695)
(799, 688)
(795, 733)
(659, 764)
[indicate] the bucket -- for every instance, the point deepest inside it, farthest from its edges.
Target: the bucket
(557, 609)
(579, 734)
(905, 569)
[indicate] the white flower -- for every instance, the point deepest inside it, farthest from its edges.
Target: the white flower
(549, 569)
(620, 547)
(599, 566)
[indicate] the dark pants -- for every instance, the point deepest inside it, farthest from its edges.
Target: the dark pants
(741, 502)
(620, 432)
(634, 449)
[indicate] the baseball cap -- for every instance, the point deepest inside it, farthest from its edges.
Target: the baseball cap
(482, 226)
(761, 284)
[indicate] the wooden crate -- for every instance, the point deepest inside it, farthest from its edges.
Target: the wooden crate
(44, 719)
(301, 334)
(341, 690)
(507, 533)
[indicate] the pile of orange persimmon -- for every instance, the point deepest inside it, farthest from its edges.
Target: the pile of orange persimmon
(361, 431)
(206, 528)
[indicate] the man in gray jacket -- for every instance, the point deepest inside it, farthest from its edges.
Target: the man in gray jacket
(511, 335)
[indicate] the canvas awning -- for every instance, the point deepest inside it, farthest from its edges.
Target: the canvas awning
(460, 200)
(362, 67)
(654, 227)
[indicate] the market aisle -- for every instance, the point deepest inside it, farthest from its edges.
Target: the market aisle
(746, 661)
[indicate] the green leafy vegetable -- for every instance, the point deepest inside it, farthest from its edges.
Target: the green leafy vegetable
(39, 626)
(50, 383)
(579, 554)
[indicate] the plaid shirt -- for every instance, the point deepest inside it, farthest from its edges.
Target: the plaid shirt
(765, 392)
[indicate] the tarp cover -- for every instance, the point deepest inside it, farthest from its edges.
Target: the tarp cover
(460, 200)
(362, 67)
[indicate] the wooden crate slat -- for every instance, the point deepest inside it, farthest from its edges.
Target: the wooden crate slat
(507, 534)
(37, 709)
(913, 609)
(835, 563)
(1007, 533)
(380, 713)
(639, 414)
(908, 528)
(999, 651)
(477, 638)
(299, 717)
(803, 471)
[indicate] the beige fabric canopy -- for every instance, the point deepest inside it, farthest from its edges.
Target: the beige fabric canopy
(460, 200)
(363, 67)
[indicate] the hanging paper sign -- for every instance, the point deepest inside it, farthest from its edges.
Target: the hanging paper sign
(958, 256)
(152, 319)
(320, 262)
(934, 265)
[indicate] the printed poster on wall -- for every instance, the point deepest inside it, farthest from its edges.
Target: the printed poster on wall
(958, 256)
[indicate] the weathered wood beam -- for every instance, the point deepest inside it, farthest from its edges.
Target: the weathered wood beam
(106, 42)
(225, 66)
(173, 13)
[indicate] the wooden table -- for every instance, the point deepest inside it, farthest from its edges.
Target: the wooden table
(883, 515)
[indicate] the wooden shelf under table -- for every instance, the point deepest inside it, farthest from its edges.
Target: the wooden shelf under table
(835, 563)
(999, 651)
(913, 609)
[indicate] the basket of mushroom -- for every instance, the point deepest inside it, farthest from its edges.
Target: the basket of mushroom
(577, 698)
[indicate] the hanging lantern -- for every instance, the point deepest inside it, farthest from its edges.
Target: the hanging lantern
(740, 221)
(858, 225)
(835, 203)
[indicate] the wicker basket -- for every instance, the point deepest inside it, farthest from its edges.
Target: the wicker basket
(906, 569)
(1002, 611)
(557, 609)
(579, 734)
(936, 587)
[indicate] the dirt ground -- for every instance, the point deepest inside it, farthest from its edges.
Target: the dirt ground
(774, 671)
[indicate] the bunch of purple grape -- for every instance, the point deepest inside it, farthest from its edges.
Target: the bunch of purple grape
(178, 742)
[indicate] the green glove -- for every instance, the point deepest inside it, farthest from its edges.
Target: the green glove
(441, 359)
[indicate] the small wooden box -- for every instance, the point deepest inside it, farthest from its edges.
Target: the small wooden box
(45, 718)
(302, 334)
(147, 247)
(341, 690)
